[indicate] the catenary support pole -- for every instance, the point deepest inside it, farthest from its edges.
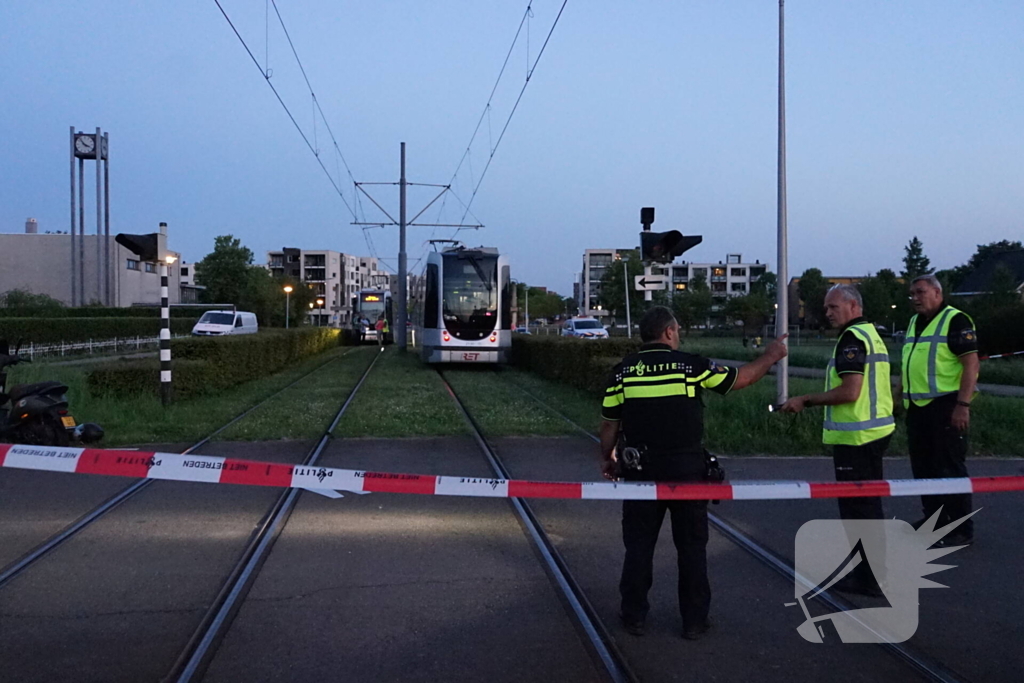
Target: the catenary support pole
(403, 278)
(165, 337)
(74, 238)
(781, 287)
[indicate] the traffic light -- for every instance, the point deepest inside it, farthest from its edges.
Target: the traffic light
(663, 247)
(151, 247)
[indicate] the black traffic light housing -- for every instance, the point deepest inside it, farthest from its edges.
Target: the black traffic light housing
(146, 247)
(662, 247)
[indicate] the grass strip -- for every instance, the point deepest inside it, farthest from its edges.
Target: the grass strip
(740, 424)
(305, 410)
(402, 397)
(500, 408)
(142, 419)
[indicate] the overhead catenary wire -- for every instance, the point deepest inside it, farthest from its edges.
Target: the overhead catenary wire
(529, 75)
(305, 138)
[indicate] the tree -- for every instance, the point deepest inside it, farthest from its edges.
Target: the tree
(693, 305)
(813, 287)
(22, 298)
(767, 284)
(224, 271)
(953, 277)
(613, 287)
(753, 310)
(915, 262)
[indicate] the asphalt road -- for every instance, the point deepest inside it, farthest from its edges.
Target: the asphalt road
(386, 586)
(390, 587)
(119, 601)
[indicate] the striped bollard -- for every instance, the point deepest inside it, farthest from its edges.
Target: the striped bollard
(165, 338)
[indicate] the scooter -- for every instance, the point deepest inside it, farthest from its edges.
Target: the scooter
(37, 414)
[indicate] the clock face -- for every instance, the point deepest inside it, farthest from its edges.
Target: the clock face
(85, 144)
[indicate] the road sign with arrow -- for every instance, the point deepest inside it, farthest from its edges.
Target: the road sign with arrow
(649, 283)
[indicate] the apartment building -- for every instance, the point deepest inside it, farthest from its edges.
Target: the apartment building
(595, 263)
(732, 277)
(335, 276)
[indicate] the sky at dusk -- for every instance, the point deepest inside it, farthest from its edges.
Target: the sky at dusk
(904, 118)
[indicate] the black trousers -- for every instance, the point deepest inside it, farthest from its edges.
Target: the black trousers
(641, 522)
(862, 463)
(938, 451)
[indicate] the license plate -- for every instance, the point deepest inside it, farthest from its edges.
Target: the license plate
(68, 421)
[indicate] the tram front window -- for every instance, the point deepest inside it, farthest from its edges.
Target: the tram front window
(470, 295)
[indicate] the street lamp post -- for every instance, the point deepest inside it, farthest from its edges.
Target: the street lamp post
(287, 301)
(625, 290)
(320, 315)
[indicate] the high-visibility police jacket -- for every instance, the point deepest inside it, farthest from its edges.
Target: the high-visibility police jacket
(930, 369)
(869, 418)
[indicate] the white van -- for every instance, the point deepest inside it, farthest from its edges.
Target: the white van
(215, 323)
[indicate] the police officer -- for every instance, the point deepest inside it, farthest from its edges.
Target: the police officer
(858, 420)
(940, 370)
(654, 403)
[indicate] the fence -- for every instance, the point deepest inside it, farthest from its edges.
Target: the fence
(90, 347)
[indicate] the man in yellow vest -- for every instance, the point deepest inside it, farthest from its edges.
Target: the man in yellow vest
(858, 414)
(940, 371)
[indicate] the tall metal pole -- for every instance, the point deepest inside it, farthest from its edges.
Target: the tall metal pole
(287, 301)
(527, 306)
(81, 232)
(782, 289)
(99, 217)
(165, 332)
(625, 289)
(106, 218)
(403, 278)
(74, 239)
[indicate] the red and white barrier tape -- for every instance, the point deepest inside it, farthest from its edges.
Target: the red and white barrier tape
(1002, 355)
(214, 470)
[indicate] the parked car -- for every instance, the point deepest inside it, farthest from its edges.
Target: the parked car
(216, 323)
(584, 328)
(521, 330)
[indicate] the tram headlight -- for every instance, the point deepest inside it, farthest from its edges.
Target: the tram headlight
(494, 337)
(445, 336)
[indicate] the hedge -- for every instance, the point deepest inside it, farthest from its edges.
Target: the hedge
(54, 330)
(101, 312)
(581, 363)
(207, 365)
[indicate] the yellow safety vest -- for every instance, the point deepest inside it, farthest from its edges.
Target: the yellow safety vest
(869, 417)
(930, 369)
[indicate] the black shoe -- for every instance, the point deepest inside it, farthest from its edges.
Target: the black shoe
(850, 585)
(696, 632)
(634, 627)
(954, 539)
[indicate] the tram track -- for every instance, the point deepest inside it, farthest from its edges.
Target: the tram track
(600, 644)
(15, 568)
(927, 667)
(202, 645)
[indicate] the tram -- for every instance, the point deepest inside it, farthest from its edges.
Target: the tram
(367, 306)
(462, 306)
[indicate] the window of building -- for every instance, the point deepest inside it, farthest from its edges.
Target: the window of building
(733, 258)
(757, 271)
(717, 286)
(718, 272)
(680, 286)
(133, 264)
(150, 268)
(738, 272)
(739, 286)
(700, 272)
(184, 272)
